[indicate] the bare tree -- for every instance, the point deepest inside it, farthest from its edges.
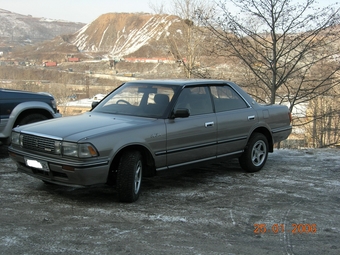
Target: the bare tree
(188, 47)
(158, 7)
(282, 43)
(324, 121)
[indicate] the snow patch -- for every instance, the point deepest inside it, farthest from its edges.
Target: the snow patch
(125, 42)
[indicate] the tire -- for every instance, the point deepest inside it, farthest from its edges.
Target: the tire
(31, 118)
(5, 141)
(129, 176)
(255, 155)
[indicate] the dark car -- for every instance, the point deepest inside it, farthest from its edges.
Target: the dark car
(147, 126)
(19, 107)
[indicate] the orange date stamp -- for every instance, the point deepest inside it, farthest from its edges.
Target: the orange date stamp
(261, 228)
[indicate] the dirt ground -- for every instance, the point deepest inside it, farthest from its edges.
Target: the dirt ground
(293, 204)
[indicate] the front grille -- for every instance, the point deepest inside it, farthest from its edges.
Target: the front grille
(38, 143)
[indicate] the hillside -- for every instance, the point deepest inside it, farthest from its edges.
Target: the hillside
(111, 36)
(122, 34)
(18, 29)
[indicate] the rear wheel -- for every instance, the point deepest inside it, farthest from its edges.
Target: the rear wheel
(255, 155)
(129, 176)
(31, 118)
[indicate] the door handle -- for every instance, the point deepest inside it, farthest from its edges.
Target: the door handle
(252, 117)
(209, 124)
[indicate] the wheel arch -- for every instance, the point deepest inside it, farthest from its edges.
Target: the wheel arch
(267, 134)
(148, 161)
(24, 109)
(27, 112)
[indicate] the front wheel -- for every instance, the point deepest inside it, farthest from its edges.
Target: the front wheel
(255, 155)
(129, 176)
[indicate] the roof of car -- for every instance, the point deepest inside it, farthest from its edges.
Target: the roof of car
(180, 82)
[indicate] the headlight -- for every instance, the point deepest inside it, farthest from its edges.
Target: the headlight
(70, 149)
(16, 138)
(54, 104)
(83, 150)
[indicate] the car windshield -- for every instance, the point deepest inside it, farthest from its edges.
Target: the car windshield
(144, 100)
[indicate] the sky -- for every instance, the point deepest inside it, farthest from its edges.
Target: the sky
(75, 10)
(85, 10)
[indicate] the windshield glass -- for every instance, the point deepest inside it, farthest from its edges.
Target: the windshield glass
(144, 100)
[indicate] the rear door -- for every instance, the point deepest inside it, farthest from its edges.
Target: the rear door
(235, 120)
(192, 139)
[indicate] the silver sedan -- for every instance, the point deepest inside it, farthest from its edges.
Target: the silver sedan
(147, 126)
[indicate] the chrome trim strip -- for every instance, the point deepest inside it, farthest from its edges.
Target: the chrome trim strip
(232, 87)
(41, 135)
(191, 162)
(160, 153)
(232, 140)
(277, 130)
(161, 168)
(199, 160)
(230, 154)
(191, 147)
(62, 161)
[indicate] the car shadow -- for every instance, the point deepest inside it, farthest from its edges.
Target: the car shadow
(174, 179)
(3, 151)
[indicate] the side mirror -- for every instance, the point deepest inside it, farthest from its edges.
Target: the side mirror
(94, 104)
(181, 113)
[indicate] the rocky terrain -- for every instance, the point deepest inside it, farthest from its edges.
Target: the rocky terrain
(17, 29)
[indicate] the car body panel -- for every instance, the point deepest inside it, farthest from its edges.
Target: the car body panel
(233, 129)
(96, 128)
(191, 139)
(87, 125)
(82, 173)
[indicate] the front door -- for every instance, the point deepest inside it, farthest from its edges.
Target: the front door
(192, 139)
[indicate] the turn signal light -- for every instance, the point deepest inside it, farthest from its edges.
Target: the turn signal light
(68, 168)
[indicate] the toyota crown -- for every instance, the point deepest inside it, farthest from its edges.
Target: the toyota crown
(147, 126)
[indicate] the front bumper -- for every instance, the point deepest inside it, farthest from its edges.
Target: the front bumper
(57, 115)
(63, 172)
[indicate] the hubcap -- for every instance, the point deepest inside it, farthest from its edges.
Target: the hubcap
(138, 176)
(259, 153)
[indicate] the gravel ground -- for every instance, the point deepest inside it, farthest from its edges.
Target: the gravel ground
(290, 207)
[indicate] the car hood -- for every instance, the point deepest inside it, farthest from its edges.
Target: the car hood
(75, 128)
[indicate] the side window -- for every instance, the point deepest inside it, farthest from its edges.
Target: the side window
(226, 99)
(196, 99)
